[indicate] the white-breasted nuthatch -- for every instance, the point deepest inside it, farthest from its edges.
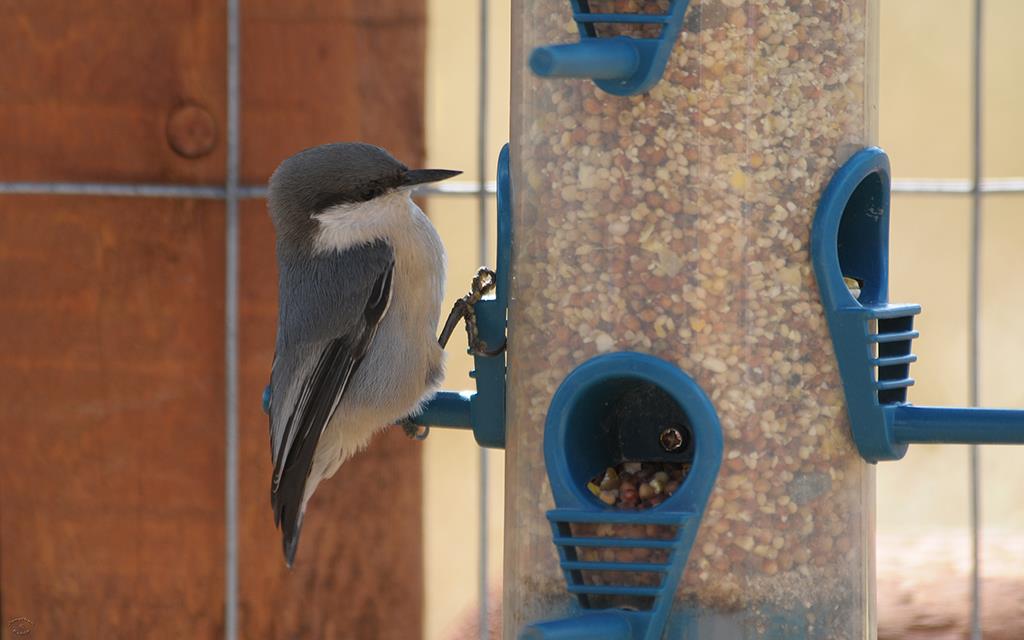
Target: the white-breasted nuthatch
(362, 275)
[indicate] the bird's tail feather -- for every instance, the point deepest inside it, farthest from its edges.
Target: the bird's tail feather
(289, 508)
(290, 522)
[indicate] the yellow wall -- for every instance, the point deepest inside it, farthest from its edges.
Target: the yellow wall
(451, 490)
(925, 127)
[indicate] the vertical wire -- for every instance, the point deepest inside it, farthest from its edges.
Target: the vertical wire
(231, 364)
(481, 167)
(973, 319)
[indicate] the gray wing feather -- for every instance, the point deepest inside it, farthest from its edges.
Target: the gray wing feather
(330, 311)
(321, 299)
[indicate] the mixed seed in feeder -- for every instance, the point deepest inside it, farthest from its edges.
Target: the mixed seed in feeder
(638, 485)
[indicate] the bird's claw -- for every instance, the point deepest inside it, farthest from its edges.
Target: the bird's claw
(413, 430)
(458, 313)
(464, 308)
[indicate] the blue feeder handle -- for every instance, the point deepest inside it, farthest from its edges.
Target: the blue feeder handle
(621, 65)
(872, 338)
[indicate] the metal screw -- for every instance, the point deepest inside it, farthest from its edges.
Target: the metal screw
(672, 439)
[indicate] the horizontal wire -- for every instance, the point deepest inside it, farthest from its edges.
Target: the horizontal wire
(126, 190)
(461, 188)
(940, 185)
(198, 192)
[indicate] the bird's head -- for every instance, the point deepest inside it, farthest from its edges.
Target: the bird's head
(322, 177)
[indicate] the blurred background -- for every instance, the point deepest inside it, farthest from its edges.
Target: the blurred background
(116, 419)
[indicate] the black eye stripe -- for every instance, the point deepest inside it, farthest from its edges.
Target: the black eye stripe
(368, 192)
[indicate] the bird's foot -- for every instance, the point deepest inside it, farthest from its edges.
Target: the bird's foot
(413, 430)
(465, 308)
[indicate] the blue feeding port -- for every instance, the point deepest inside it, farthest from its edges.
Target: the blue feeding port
(872, 338)
(620, 65)
(617, 408)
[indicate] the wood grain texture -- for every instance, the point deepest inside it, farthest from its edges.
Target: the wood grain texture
(88, 87)
(111, 423)
(112, 379)
(318, 71)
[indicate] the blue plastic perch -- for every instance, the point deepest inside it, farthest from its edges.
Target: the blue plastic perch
(604, 625)
(611, 59)
(957, 425)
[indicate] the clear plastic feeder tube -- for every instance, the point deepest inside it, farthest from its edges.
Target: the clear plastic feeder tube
(676, 223)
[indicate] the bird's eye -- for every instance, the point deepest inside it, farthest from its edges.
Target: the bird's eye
(374, 191)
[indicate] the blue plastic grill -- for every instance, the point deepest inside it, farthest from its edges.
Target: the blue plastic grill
(639, 18)
(891, 334)
(585, 578)
(586, 19)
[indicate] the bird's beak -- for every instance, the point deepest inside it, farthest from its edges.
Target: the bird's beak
(414, 177)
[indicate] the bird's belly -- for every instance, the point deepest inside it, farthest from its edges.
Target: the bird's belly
(404, 363)
(393, 376)
(390, 384)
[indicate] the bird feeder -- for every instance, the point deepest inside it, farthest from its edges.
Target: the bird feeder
(668, 163)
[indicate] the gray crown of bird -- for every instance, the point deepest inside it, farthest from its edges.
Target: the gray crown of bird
(361, 280)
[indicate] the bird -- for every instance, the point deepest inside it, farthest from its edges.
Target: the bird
(361, 280)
